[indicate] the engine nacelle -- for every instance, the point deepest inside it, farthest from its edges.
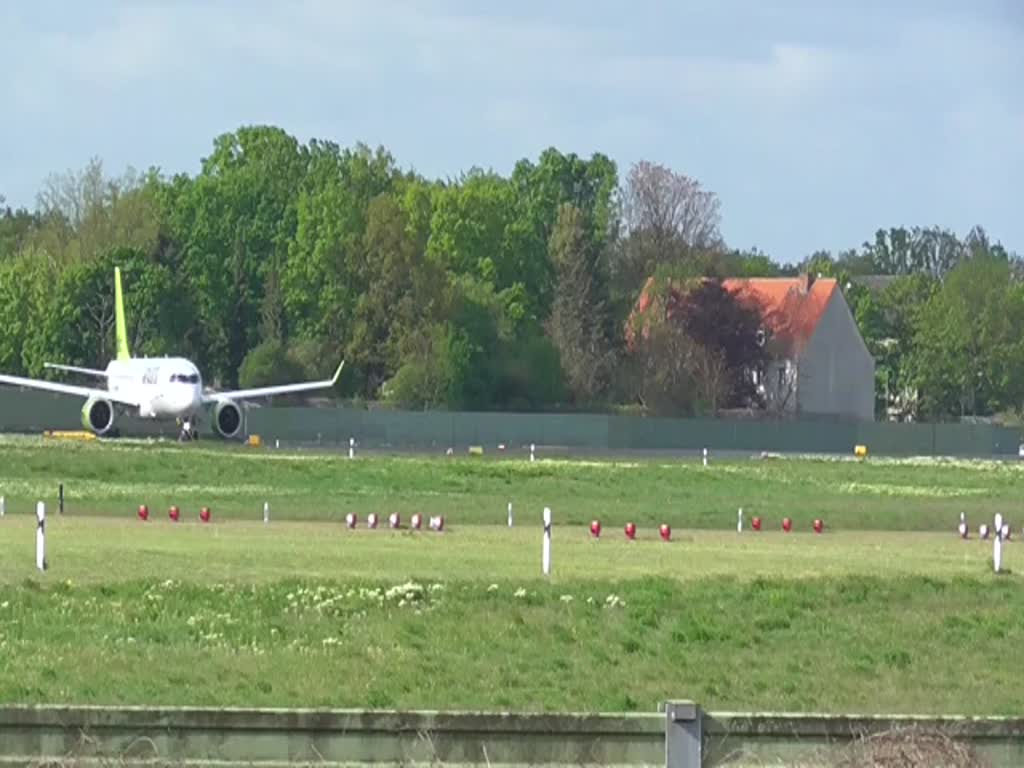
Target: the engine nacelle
(227, 418)
(98, 415)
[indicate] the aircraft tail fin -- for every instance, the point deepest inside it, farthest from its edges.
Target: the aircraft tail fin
(122, 333)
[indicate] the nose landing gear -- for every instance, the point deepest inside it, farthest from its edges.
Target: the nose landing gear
(189, 431)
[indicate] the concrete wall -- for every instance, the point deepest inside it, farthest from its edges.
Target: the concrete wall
(233, 737)
(837, 372)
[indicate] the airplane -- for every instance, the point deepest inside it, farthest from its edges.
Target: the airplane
(158, 388)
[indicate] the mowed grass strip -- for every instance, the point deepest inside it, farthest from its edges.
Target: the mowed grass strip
(108, 551)
(112, 479)
(851, 644)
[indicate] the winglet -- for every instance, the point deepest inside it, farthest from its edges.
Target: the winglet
(337, 373)
(122, 334)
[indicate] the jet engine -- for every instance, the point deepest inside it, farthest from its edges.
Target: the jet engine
(98, 415)
(227, 418)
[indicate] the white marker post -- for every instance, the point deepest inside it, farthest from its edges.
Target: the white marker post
(351, 447)
(547, 541)
(705, 457)
(266, 512)
(739, 521)
(997, 552)
(41, 536)
(3, 506)
(510, 514)
(532, 449)
(999, 523)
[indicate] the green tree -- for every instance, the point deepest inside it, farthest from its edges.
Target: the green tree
(234, 222)
(401, 290)
(539, 192)
(968, 353)
(80, 323)
(26, 302)
(726, 349)
(669, 220)
(319, 279)
(16, 227)
(269, 364)
(529, 375)
(83, 214)
(579, 322)
(900, 251)
(752, 263)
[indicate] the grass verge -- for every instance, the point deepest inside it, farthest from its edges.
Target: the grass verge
(113, 479)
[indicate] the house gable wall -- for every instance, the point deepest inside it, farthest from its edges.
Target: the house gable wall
(836, 371)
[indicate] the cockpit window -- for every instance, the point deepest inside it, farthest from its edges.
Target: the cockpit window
(185, 378)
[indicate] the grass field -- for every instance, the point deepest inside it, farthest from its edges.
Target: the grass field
(306, 613)
(113, 479)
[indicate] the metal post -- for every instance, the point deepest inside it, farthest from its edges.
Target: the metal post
(60, 499)
(683, 735)
(546, 554)
(41, 563)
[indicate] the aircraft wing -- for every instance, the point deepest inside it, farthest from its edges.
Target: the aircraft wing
(66, 389)
(281, 389)
(76, 369)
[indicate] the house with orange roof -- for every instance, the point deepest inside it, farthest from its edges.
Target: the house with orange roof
(820, 365)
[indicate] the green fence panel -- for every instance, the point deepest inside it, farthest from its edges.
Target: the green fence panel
(34, 412)
(896, 439)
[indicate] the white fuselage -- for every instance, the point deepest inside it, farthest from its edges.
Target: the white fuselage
(165, 387)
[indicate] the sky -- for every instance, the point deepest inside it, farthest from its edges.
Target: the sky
(814, 123)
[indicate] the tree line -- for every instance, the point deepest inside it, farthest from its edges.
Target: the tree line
(484, 291)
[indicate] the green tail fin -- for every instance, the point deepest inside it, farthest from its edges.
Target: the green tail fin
(122, 334)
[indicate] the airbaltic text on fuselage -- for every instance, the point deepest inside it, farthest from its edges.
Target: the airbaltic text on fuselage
(164, 387)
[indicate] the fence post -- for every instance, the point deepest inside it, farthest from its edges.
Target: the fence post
(683, 735)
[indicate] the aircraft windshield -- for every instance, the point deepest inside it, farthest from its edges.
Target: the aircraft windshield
(185, 378)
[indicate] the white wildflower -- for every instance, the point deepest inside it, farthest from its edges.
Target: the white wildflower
(521, 592)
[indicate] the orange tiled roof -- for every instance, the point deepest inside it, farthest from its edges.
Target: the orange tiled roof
(791, 310)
